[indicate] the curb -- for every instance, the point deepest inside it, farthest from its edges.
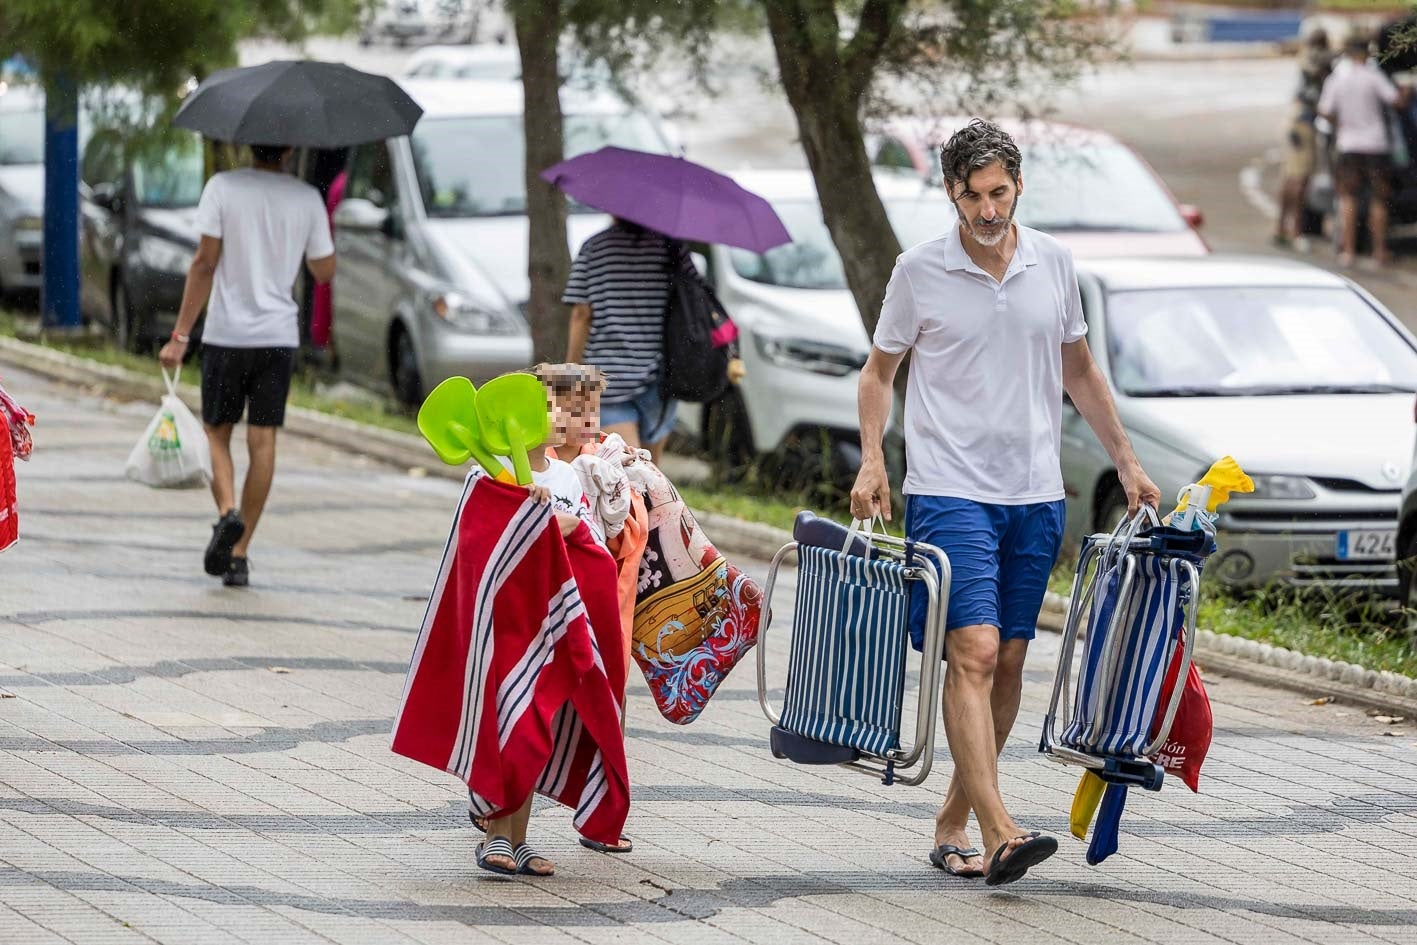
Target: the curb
(1236, 656)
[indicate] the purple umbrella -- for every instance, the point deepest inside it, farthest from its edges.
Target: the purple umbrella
(670, 195)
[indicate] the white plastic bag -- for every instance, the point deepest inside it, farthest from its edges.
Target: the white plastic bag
(173, 452)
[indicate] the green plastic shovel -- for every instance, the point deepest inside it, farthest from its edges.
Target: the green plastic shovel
(448, 421)
(514, 418)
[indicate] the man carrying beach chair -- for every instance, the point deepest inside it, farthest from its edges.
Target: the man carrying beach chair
(992, 315)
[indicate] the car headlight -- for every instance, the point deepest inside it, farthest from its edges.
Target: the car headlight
(805, 354)
(1282, 487)
(29, 224)
(164, 255)
(465, 313)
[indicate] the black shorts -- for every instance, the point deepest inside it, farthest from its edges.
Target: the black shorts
(235, 377)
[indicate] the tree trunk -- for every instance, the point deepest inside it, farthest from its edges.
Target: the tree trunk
(538, 28)
(819, 89)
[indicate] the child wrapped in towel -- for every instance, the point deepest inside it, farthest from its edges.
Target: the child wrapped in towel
(517, 680)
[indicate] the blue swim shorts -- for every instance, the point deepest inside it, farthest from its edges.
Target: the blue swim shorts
(1000, 559)
(653, 418)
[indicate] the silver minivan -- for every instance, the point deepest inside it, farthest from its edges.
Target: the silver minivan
(431, 234)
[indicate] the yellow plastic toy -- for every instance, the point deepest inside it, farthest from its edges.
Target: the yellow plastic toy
(1224, 477)
(1085, 801)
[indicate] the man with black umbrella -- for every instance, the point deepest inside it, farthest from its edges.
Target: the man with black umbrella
(257, 226)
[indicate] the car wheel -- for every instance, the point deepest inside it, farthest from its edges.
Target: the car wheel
(130, 329)
(408, 383)
(1407, 583)
(1111, 509)
(728, 434)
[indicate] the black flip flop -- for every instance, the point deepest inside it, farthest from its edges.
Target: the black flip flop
(478, 821)
(1034, 850)
(940, 858)
(599, 847)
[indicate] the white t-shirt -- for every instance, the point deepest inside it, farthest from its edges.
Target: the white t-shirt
(268, 224)
(1355, 98)
(567, 494)
(983, 408)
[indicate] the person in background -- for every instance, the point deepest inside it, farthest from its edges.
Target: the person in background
(1355, 99)
(322, 310)
(258, 224)
(1315, 64)
(618, 291)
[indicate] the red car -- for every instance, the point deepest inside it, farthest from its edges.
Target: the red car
(1082, 185)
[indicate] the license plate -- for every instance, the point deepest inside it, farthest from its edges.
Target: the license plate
(1367, 545)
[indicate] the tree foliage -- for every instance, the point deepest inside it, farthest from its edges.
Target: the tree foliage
(154, 45)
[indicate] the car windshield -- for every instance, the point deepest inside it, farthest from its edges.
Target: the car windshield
(169, 176)
(470, 167)
(1103, 187)
(1215, 342)
(811, 261)
(22, 137)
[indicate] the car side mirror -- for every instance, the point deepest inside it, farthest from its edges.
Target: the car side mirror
(1192, 215)
(356, 213)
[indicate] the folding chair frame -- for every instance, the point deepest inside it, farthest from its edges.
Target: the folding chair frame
(1122, 541)
(890, 765)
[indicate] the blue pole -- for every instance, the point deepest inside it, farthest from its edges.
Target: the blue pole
(60, 299)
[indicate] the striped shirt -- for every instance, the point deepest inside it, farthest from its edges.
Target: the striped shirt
(622, 273)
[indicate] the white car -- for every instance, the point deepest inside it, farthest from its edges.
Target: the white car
(432, 234)
(801, 337)
(21, 188)
(483, 62)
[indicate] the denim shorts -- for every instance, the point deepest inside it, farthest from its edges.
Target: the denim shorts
(644, 411)
(1000, 559)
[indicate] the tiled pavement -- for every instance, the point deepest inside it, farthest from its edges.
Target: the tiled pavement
(183, 763)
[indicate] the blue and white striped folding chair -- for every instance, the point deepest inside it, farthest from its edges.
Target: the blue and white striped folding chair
(845, 692)
(1140, 601)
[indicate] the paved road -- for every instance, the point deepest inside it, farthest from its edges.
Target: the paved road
(184, 763)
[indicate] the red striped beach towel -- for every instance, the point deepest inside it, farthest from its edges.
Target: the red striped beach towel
(508, 688)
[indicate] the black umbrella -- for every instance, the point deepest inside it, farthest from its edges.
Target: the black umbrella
(300, 103)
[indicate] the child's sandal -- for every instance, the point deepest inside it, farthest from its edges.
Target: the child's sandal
(497, 846)
(524, 855)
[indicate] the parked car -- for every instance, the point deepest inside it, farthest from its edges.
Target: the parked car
(138, 232)
(432, 234)
(1078, 182)
(21, 189)
(483, 61)
(1299, 374)
(1406, 544)
(421, 21)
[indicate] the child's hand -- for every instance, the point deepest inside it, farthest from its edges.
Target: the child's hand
(539, 493)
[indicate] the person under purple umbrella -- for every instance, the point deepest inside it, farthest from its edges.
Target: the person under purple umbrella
(621, 281)
(618, 290)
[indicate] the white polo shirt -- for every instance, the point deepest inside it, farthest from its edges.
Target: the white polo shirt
(983, 408)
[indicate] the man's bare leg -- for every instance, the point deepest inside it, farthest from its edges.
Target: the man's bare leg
(261, 448)
(969, 726)
(629, 432)
(1348, 223)
(223, 470)
(953, 818)
(1377, 230)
